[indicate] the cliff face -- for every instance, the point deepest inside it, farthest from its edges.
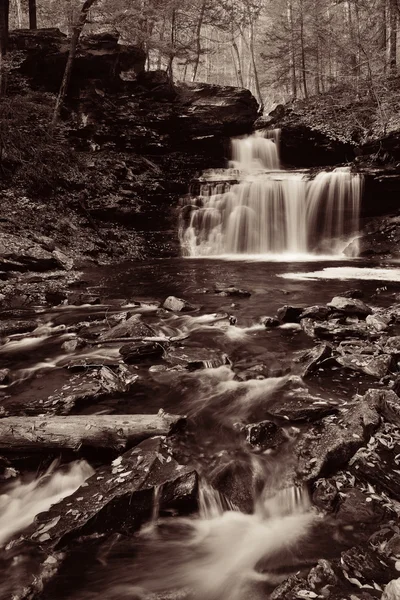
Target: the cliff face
(137, 133)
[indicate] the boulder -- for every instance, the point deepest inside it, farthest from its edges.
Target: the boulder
(318, 312)
(18, 253)
(132, 327)
(177, 304)
(264, 435)
(392, 345)
(351, 306)
(116, 499)
(377, 366)
(330, 444)
(270, 322)
(140, 351)
(378, 322)
(380, 239)
(290, 314)
(392, 590)
(310, 360)
(231, 290)
(197, 358)
(63, 261)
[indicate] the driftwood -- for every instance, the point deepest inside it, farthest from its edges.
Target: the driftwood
(97, 431)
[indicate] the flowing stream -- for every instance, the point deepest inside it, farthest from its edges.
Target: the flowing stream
(255, 208)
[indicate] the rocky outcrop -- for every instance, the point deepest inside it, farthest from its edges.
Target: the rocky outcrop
(380, 239)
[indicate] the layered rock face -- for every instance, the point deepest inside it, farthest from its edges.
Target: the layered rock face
(148, 136)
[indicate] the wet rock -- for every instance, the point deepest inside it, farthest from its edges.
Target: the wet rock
(264, 435)
(377, 464)
(378, 321)
(231, 290)
(132, 327)
(333, 442)
(291, 589)
(377, 366)
(72, 345)
(290, 314)
(20, 254)
(177, 304)
(356, 507)
(322, 575)
(12, 326)
(86, 387)
(197, 358)
(140, 351)
(270, 322)
(63, 261)
(356, 293)
(389, 405)
(318, 312)
(116, 499)
(392, 345)
(300, 405)
(350, 306)
(392, 590)
(365, 565)
(310, 360)
(334, 330)
(325, 495)
(4, 373)
(381, 239)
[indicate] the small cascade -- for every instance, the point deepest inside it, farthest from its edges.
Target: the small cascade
(254, 208)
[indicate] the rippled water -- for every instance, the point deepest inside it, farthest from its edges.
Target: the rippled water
(218, 565)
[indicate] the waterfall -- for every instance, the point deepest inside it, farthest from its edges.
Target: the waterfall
(255, 208)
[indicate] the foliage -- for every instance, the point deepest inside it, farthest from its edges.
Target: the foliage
(30, 156)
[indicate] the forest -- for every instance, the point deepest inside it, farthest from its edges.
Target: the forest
(199, 300)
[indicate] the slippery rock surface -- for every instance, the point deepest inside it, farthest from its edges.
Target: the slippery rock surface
(116, 499)
(177, 304)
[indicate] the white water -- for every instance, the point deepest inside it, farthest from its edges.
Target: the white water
(270, 211)
(348, 273)
(21, 502)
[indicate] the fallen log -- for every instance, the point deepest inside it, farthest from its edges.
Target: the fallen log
(97, 431)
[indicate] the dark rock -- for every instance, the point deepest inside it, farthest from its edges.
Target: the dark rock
(377, 466)
(290, 314)
(230, 290)
(364, 564)
(350, 306)
(310, 360)
(197, 358)
(300, 405)
(356, 293)
(333, 442)
(140, 351)
(322, 575)
(356, 507)
(381, 239)
(290, 588)
(177, 304)
(86, 387)
(20, 254)
(377, 366)
(264, 435)
(132, 327)
(320, 313)
(389, 405)
(11, 326)
(270, 322)
(325, 495)
(333, 330)
(116, 499)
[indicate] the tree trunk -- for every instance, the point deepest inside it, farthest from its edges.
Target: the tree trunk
(76, 33)
(170, 70)
(198, 40)
(238, 62)
(19, 13)
(292, 48)
(393, 36)
(303, 51)
(32, 14)
(95, 431)
(4, 19)
(253, 58)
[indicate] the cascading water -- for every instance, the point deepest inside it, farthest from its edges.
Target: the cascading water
(255, 208)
